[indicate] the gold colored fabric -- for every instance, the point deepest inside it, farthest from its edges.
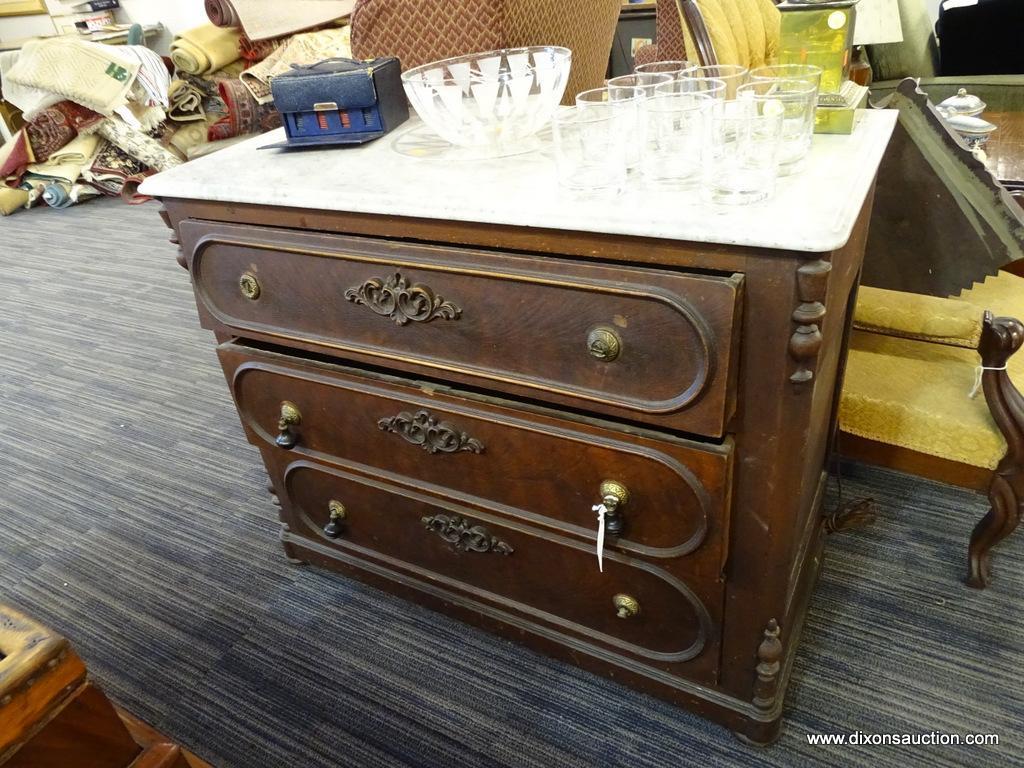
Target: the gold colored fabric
(914, 394)
(915, 316)
(204, 49)
(1001, 294)
(12, 199)
(744, 32)
(65, 164)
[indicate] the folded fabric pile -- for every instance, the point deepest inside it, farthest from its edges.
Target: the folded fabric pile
(100, 118)
(78, 99)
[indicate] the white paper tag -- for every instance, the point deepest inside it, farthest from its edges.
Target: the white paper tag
(601, 509)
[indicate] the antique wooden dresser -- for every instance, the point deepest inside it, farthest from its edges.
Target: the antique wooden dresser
(460, 379)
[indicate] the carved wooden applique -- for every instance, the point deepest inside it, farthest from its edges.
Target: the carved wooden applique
(806, 341)
(396, 298)
(466, 536)
(430, 434)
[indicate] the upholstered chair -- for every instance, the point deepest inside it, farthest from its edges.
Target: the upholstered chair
(744, 32)
(421, 31)
(932, 387)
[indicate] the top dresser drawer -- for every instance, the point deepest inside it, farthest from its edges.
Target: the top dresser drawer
(650, 345)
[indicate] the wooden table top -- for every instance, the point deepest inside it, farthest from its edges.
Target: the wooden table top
(1005, 148)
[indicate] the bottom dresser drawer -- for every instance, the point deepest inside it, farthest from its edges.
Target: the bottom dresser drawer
(506, 569)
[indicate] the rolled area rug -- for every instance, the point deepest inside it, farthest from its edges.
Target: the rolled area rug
(222, 13)
(56, 196)
(204, 49)
(12, 199)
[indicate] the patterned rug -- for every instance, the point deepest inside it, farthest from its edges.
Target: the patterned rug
(133, 518)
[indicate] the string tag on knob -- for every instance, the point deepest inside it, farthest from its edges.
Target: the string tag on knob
(601, 510)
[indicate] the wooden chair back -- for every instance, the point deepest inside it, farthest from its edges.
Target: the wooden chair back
(690, 14)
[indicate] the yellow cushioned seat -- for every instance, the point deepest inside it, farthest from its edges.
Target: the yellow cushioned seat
(903, 388)
(912, 315)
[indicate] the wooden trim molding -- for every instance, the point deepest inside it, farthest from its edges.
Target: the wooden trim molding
(38, 670)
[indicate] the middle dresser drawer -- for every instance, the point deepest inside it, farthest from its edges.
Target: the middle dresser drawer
(644, 344)
(534, 466)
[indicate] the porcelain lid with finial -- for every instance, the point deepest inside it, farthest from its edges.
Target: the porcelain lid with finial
(963, 103)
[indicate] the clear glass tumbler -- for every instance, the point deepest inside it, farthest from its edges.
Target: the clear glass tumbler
(740, 158)
(646, 82)
(675, 124)
(622, 103)
(808, 72)
(674, 68)
(733, 75)
(709, 86)
(590, 151)
(795, 101)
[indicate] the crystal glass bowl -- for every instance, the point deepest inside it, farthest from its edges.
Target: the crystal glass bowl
(494, 101)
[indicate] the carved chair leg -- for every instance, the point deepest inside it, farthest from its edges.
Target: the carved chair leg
(1002, 519)
(1000, 338)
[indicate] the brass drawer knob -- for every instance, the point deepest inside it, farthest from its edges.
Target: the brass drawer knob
(604, 344)
(609, 520)
(614, 496)
(335, 525)
(626, 607)
(249, 286)
(290, 418)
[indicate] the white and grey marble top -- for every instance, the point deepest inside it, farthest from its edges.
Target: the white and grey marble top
(410, 173)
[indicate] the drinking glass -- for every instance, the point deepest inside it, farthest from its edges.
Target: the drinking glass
(674, 68)
(709, 86)
(590, 151)
(623, 104)
(675, 124)
(645, 81)
(733, 75)
(740, 158)
(795, 101)
(808, 72)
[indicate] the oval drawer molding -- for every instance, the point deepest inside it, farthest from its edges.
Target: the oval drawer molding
(678, 490)
(650, 345)
(550, 580)
(428, 433)
(395, 298)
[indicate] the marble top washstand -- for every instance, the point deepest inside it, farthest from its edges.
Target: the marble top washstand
(411, 173)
